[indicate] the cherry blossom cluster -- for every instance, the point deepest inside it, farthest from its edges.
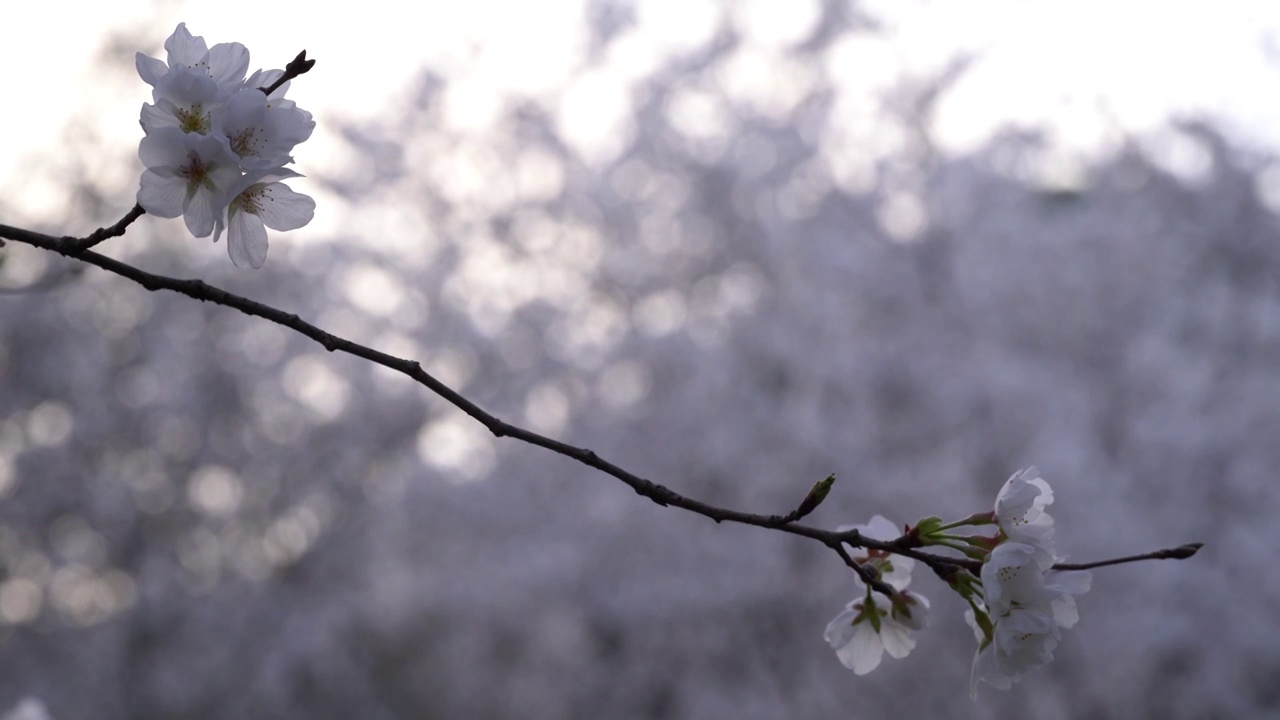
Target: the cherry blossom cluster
(871, 625)
(216, 146)
(1018, 605)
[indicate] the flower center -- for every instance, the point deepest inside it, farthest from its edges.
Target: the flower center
(195, 171)
(250, 200)
(193, 119)
(246, 142)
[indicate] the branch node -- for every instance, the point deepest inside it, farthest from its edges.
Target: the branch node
(296, 67)
(1185, 551)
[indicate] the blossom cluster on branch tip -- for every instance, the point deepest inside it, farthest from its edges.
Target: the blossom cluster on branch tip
(1018, 605)
(215, 146)
(1025, 605)
(870, 626)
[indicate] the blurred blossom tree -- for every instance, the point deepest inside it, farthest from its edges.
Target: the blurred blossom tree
(712, 289)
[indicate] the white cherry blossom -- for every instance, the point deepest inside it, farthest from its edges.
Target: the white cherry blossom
(263, 131)
(183, 99)
(1020, 509)
(1014, 573)
(215, 145)
(1026, 603)
(872, 625)
(258, 201)
(1022, 639)
(187, 174)
(224, 63)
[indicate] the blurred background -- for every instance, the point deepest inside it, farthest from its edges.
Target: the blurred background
(731, 246)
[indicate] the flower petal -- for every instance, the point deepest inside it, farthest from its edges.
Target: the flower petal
(1065, 585)
(880, 528)
(863, 653)
(161, 196)
(164, 146)
(284, 209)
(185, 48)
(199, 210)
(896, 639)
(150, 69)
(228, 62)
(1020, 508)
(246, 240)
(840, 630)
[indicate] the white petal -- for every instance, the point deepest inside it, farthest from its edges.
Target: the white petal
(228, 62)
(184, 48)
(150, 69)
(898, 572)
(161, 196)
(1074, 582)
(986, 669)
(284, 209)
(163, 146)
(1065, 613)
(246, 107)
(896, 638)
(199, 211)
(1024, 639)
(840, 630)
(880, 528)
(264, 78)
(216, 151)
(246, 240)
(1065, 585)
(153, 117)
(290, 125)
(970, 618)
(1012, 573)
(974, 677)
(863, 653)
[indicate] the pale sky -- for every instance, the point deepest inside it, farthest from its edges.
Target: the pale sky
(1087, 71)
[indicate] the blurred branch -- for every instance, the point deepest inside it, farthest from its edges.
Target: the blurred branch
(51, 281)
(660, 494)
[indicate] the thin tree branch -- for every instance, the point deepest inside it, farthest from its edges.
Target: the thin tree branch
(105, 233)
(660, 494)
(871, 579)
(1182, 552)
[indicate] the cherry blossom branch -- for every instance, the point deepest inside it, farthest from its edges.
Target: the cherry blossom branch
(77, 248)
(209, 178)
(298, 66)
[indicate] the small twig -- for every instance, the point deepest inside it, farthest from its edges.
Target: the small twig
(296, 67)
(811, 501)
(77, 245)
(871, 579)
(1182, 552)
